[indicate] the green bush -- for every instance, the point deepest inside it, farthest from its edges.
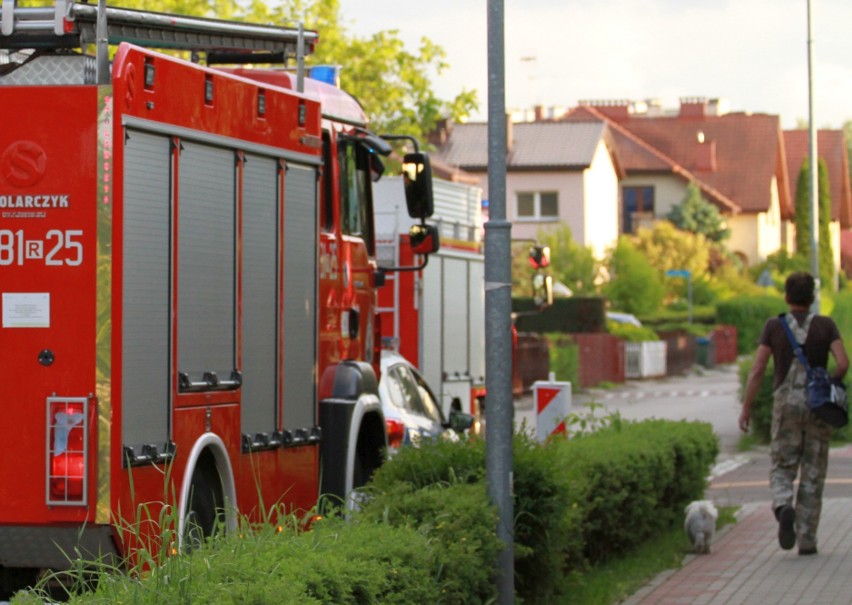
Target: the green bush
(842, 315)
(635, 285)
(648, 470)
(426, 531)
(564, 359)
(355, 563)
(761, 407)
(701, 314)
(631, 333)
(748, 314)
(459, 521)
(581, 500)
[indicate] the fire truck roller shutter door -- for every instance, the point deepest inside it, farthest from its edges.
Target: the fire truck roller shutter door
(301, 234)
(206, 305)
(260, 272)
(146, 290)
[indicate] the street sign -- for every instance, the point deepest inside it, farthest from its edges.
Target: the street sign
(678, 273)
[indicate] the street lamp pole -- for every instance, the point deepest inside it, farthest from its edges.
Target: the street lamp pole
(498, 314)
(813, 163)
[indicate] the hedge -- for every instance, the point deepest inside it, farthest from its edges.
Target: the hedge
(748, 314)
(578, 501)
(426, 531)
(566, 315)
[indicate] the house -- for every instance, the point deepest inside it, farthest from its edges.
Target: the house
(736, 159)
(831, 148)
(608, 167)
(557, 173)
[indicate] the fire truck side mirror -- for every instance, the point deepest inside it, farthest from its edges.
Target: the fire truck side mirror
(542, 286)
(417, 176)
(424, 239)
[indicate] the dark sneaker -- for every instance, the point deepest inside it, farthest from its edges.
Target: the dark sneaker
(808, 551)
(786, 526)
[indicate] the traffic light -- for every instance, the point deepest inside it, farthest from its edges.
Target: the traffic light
(539, 256)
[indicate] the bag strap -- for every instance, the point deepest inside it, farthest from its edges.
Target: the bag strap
(797, 348)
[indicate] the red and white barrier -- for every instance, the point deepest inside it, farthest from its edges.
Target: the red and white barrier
(552, 402)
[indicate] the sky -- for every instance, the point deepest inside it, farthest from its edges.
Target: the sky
(753, 53)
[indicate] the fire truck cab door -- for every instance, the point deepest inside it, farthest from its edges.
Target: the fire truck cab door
(358, 246)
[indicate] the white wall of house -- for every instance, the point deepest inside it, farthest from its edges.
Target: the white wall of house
(834, 231)
(569, 188)
(743, 240)
(757, 235)
(600, 220)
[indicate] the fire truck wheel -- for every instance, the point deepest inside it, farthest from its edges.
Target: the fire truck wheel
(204, 514)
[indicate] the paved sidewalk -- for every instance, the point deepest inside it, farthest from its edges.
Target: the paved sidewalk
(747, 566)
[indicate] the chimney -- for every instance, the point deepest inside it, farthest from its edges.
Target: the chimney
(441, 133)
(705, 154)
(693, 108)
(538, 113)
(615, 109)
(510, 137)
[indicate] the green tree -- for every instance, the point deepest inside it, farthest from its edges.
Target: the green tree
(803, 219)
(697, 215)
(570, 263)
(667, 247)
(392, 83)
(635, 286)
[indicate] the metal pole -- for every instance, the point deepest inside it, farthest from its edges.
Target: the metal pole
(689, 301)
(498, 311)
(813, 163)
(102, 74)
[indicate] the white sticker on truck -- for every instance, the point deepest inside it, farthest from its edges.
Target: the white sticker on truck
(26, 310)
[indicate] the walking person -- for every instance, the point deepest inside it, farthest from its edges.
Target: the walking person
(800, 440)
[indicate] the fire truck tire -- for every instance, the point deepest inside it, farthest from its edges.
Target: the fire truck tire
(205, 514)
(208, 497)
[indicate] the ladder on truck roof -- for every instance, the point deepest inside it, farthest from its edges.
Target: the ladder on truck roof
(70, 24)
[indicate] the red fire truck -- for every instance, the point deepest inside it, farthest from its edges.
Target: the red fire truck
(187, 281)
(435, 317)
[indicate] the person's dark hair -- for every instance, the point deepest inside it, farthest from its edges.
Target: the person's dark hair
(799, 289)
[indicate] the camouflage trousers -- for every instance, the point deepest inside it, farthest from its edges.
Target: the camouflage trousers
(800, 443)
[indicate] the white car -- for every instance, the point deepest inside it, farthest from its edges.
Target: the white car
(412, 412)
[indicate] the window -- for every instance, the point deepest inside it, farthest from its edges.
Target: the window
(355, 192)
(537, 205)
(638, 207)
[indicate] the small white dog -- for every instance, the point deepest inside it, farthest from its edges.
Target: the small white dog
(700, 525)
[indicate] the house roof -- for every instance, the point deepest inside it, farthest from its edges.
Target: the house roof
(452, 173)
(831, 147)
(638, 157)
(735, 154)
(533, 145)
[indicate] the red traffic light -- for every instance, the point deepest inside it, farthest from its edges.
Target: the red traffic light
(539, 256)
